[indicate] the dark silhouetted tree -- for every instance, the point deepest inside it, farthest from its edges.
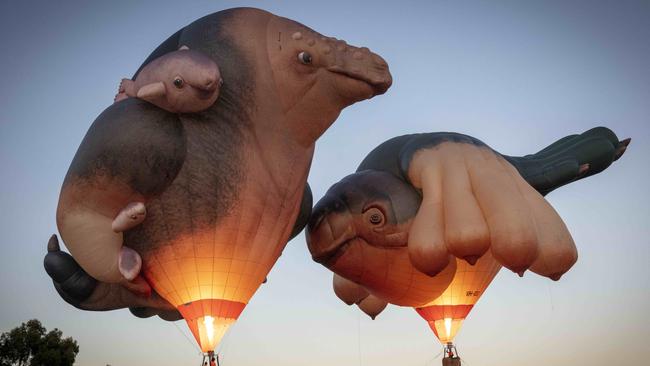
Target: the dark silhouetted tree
(31, 345)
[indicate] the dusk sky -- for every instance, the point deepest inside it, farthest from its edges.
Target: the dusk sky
(516, 74)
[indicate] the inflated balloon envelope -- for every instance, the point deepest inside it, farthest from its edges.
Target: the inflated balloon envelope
(225, 188)
(447, 313)
(428, 220)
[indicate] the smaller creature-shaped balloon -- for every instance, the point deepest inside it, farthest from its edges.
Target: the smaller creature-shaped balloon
(363, 229)
(184, 81)
(418, 202)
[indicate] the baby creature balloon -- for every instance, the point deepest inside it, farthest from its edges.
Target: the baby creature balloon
(184, 81)
(198, 206)
(428, 219)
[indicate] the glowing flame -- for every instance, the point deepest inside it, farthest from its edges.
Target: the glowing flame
(448, 326)
(208, 321)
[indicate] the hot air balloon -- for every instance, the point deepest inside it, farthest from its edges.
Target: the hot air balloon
(440, 197)
(447, 313)
(198, 206)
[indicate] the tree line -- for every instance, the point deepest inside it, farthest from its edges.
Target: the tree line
(30, 344)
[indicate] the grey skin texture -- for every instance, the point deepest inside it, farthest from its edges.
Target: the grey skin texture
(190, 170)
(183, 81)
(84, 292)
(380, 191)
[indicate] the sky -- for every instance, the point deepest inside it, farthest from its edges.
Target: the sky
(516, 74)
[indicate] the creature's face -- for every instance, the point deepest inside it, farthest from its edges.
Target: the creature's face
(370, 208)
(317, 76)
(359, 230)
(192, 80)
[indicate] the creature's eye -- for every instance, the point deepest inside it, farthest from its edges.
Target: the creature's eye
(304, 57)
(178, 82)
(374, 216)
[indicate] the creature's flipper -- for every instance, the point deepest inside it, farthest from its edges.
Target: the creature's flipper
(71, 282)
(152, 92)
(129, 261)
(127, 86)
(138, 286)
(82, 291)
(125, 90)
(570, 158)
(131, 215)
(145, 312)
(120, 96)
(372, 306)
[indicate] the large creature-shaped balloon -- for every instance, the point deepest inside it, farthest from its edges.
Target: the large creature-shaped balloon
(213, 196)
(428, 219)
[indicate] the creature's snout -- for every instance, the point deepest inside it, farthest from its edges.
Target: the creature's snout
(354, 62)
(210, 84)
(360, 63)
(328, 230)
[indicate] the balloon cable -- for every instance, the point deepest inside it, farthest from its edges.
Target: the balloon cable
(550, 296)
(192, 344)
(433, 358)
(359, 334)
(223, 344)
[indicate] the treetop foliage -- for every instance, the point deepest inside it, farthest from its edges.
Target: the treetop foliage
(31, 345)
